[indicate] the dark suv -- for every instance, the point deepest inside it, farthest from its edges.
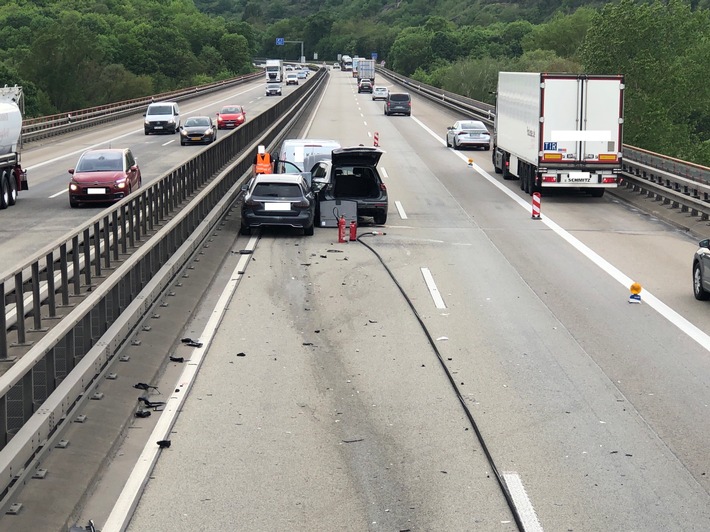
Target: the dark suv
(398, 102)
(351, 175)
(365, 85)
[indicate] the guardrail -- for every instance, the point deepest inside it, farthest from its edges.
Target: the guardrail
(146, 238)
(680, 184)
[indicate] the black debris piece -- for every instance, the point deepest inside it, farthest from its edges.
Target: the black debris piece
(176, 359)
(354, 441)
(245, 251)
(155, 405)
(241, 354)
(163, 444)
(191, 343)
(372, 321)
(334, 251)
(144, 386)
(142, 413)
(307, 343)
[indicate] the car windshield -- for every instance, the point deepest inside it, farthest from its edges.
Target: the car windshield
(197, 121)
(160, 110)
(100, 162)
(399, 97)
(277, 190)
(230, 110)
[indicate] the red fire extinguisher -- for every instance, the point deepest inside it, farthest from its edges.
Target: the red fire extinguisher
(341, 229)
(353, 230)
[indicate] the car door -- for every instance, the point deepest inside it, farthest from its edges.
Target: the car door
(129, 163)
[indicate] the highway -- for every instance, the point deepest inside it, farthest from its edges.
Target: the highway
(320, 402)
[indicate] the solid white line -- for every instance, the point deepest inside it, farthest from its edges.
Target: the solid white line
(383, 172)
(664, 310)
(433, 290)
(400, 210)
(369, 134)
(315, 111)
(168, 142)
(522, 503)
(127, 501)
(65, 191)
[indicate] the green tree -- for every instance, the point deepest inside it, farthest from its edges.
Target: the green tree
(235, 51)
(411, 50)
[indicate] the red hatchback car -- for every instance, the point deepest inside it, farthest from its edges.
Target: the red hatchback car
(231, 116)
(103, 175)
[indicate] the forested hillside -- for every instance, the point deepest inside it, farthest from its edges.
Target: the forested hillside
(70, 54)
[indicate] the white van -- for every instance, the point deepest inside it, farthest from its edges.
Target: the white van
(162, 117)
(296, 151)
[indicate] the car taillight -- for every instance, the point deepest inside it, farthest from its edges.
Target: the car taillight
(250, 201)
(462, 133)
(301, 203)
(383, 187)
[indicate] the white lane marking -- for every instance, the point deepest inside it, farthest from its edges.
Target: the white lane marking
(664, 310)
(129, 497)
(365, 122)
(400, 210)
(433, 290)
(524, 507)
(111, 140)
(168, 142)
(59, 193)
(369, 134)
(383, 172)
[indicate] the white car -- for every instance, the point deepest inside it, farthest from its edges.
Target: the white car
(292, 78)
(380, 93)
(273, 89)
(468, 134)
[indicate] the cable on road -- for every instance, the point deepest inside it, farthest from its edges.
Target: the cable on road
(452, 381)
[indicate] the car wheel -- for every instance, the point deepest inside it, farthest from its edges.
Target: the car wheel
(308, 231)
(448, 144)
(700, 293)
(147, 132)
(456, 144)
(380, 218)
(182, 143)
(73, 203)
(487, 148)
(245, 230)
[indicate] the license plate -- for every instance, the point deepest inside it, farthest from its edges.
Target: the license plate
(195, 138)
(157, 127)
(277, 206)
(96, 191)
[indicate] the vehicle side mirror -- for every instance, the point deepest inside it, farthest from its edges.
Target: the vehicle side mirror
(144, 114)
(71, 171)
(134, 168)
(450, 128)
(704, 243)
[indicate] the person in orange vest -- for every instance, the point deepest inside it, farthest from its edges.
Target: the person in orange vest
(262, 162)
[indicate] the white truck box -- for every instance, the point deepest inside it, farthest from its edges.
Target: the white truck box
(366, 69)
(274, 70)
(559, 130)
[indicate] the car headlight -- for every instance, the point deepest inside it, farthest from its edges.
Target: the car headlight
(73, 187)
(121, 184)
(208, 131)
(183, 133)
(146, 122)
(171, 121)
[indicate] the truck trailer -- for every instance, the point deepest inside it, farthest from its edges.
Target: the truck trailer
(274, 71)
(366, 70)
(12, 177)
(346, 63)
(559, 130)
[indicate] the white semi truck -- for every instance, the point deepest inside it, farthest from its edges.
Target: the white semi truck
(559, 130)
(366, 70)
(12, 177)
(274, 71)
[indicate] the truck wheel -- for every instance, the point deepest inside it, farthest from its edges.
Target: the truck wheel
(12, 182)
(4, 191)
(498, 170)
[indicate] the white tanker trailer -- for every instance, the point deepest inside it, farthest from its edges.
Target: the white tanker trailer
(12, 177)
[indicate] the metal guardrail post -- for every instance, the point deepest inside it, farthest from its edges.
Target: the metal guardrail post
(97, 249)
(36, 299)
(3, 334)
(51, 294)
(20, 309)
(107, 242)
(86, 251)
(76, 274)
(123, 237)
(64, 267)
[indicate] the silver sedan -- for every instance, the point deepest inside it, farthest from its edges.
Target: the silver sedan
(468, 133)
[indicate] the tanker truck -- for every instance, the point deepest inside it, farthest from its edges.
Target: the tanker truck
(12, 177)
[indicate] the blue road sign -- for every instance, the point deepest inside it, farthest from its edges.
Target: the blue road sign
(280, 41)
(374, 55)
